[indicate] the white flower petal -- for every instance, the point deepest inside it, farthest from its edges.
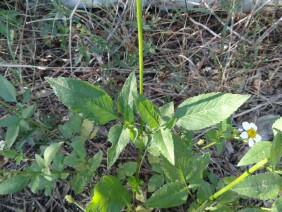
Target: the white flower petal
(252, 125)
(251, 142)
(240, 129)
(246, 125)
(257, 138)
(244, 135)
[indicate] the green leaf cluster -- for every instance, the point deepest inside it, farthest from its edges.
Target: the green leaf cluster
(160, 133)
(9, 19)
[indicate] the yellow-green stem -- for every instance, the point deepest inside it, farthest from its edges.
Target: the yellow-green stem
(239, 179)
(208, 145)
(141, 68)
(140, 43)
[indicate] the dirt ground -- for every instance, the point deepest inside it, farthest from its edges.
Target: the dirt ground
(186, 54)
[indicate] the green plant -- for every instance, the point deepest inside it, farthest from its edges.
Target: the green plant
(50, 162)
(181, 171)
(161, 135)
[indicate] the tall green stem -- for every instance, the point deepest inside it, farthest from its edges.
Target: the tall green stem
(141, 68)
(140, 43)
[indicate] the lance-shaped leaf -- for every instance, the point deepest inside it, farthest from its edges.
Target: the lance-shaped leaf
(183, 155)
(84, 98)
(170, 195)
(7, 90)
(119, 137)
(126, 98)
(277, 126)
(167, 111)
(207, 109)
(276, 149)
(51, 151)
(11, 135)
(164, 142)
(257, 153)
(9, 121)
(14, 184)
(109, 195)
(148, 111)
(261, 186)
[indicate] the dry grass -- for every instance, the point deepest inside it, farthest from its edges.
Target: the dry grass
(187, 53)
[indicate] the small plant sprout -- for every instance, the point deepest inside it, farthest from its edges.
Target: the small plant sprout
(250, 133)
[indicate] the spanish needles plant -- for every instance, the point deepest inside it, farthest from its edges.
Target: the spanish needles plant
(162, 136)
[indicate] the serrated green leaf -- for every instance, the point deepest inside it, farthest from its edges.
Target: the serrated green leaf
(109, 195)
(93, 164)
(257, 153)
(207, 109)
(78, 183)
(155, 182)
(167, 110)
(129, 168)
(277, 126)
(197, 165)
(173, 173)
(9, 153)
(205, 190)
(40, 183)
(40, 161)
(277, 205)
(26, 96)
(167, 113)
(24, 126)
(119, 137)
(181, 168)
(276, 149)
(11, 135)
(58, 165)
(261, 186)
(126, 98)
(148, 111)
(170, 195)
(71, 127)
(28, 112)
(47, 174)
(14, 184)
(84, 98)
(7, 90)
(74, 161)
(9, 121)
(35, 184)
(78, 146)
(51, 151)
(86, 128)
(164, 142)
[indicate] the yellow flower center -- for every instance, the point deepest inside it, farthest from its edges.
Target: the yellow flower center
(252, 133)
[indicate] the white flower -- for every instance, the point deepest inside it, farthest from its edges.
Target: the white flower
(2, 144)
(250, 133)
